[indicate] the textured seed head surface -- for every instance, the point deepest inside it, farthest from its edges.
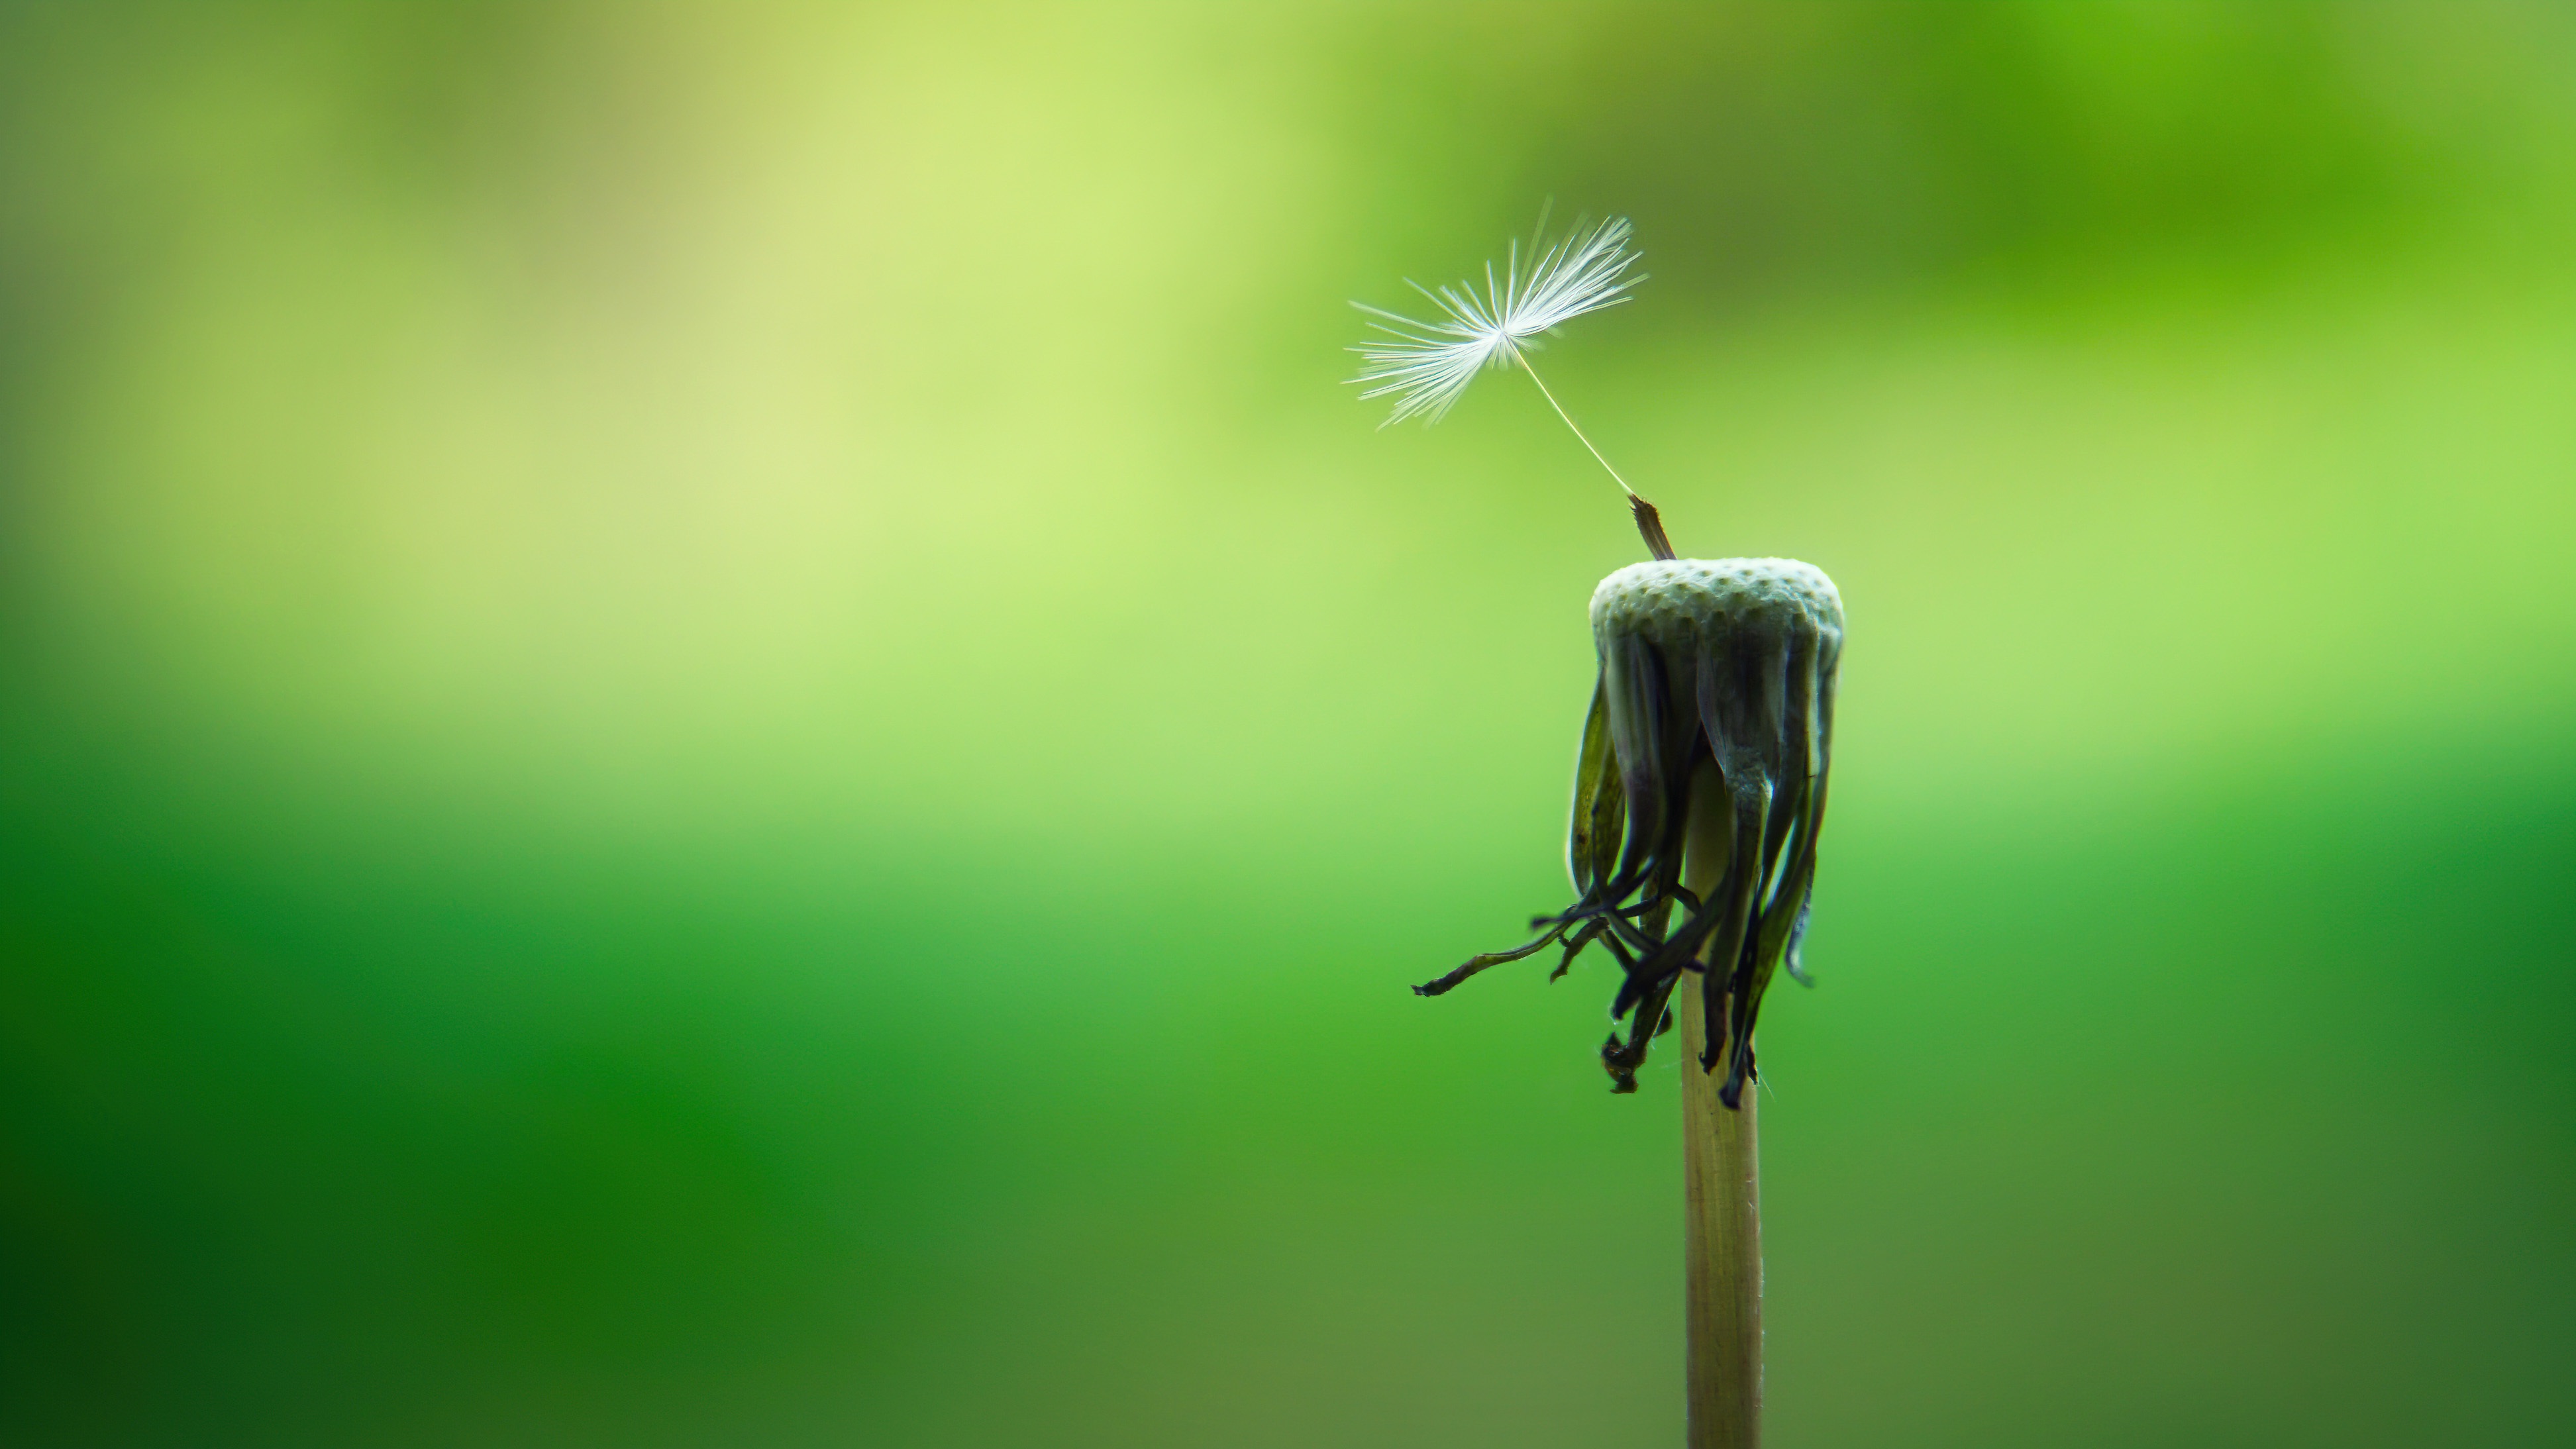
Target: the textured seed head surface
(1673, 603)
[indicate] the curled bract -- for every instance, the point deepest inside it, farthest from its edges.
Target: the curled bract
(1704, 760)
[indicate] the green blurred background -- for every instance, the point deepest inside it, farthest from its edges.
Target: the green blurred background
(714, 732)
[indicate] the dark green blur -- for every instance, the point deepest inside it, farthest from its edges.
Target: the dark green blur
(714, 731)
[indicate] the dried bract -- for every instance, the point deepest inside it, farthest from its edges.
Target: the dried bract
(1711, 731)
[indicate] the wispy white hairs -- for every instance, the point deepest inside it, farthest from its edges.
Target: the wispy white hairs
(1427, 366)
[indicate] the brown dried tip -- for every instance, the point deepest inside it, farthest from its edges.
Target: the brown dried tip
(1650, 526)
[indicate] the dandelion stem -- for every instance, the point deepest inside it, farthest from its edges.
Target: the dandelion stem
(1721, 1168)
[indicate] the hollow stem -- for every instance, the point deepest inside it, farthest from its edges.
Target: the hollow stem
(1721, 1167)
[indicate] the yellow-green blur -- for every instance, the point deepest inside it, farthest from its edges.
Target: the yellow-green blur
(715, 731)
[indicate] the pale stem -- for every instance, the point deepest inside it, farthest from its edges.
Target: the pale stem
(1721, 1167)
(1523, 359)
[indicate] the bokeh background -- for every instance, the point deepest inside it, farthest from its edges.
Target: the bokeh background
(714, 730)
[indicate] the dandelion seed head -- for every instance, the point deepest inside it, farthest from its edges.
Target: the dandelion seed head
(1427, 365)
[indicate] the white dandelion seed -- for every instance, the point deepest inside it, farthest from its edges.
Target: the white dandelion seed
(1428, 365)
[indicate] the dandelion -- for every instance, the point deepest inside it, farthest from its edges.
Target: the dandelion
(1699, 792)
